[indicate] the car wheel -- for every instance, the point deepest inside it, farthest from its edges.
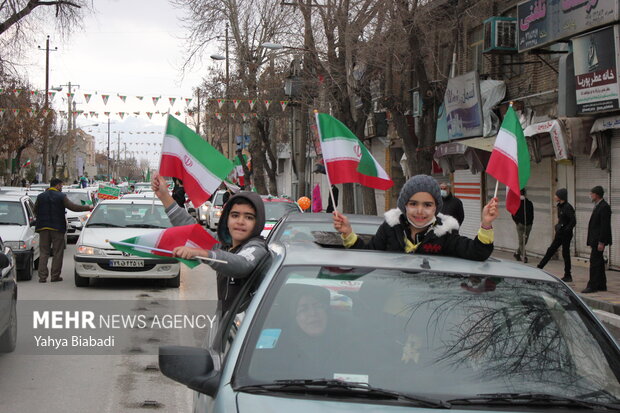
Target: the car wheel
(174, 282)
(9, 338)
(26, 273)
(81, 281)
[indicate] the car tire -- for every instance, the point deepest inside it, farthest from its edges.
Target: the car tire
(174, 282)
(81, 281)
(26, 273)
(9, 338)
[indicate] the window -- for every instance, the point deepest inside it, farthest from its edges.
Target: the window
(475, 41)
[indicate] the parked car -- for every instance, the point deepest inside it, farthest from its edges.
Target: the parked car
(141, 195)
(358, 330)
(116, 220)
(319, 227)
(276, 208)
(17, 229)
(75, 220)
(8, 299)
(213, 210)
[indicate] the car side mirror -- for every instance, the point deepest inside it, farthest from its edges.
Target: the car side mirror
(4, 261)
(191, 366)
(33, 222)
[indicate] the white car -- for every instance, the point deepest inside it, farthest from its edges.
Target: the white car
(117, 220)
(214, 211)
(17, 221)
(75, 220)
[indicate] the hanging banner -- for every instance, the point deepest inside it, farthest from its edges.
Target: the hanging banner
(251, 103)
(267, 103)
(107, 114)
(236, 103)
(155, 100)
(121, 114)
(218, 115)
(105, 99)
(51, 95)
(596, 56)
(17, 92)
(172, 100)
(188, 100)
(283, 104)
(123, 98)
(463, 106)
(149, 114)
(220, 102)
(87, 97)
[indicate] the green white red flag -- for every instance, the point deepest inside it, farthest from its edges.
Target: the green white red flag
(347, 160)
(194, 236)
(25, 164)
(239, 174)
(188, 157)
(510, 160)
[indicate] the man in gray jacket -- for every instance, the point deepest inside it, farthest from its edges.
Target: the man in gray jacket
(240, 242)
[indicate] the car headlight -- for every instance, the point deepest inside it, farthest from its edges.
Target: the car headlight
(218, 213)
(16, 245)
(84, 217)
(86, 250)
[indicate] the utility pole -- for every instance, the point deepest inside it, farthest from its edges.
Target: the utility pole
(118, 155)
(109, 177)
(46, 131)
(231, 152)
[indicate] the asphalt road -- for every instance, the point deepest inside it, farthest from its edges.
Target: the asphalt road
(102, 383)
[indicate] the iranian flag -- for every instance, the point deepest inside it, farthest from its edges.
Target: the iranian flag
(239, 169)
(510, 160)
(188, 157)
(194, 236)
(347, 160)
(25, 164)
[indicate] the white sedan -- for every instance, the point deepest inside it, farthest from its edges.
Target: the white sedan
(117, 220)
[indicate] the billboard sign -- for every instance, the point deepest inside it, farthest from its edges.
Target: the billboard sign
(463, 106)
(542, 22)
(596, 59)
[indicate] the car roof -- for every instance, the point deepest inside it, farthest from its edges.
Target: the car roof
(135, 201)
(83, 190)
(327, 217)
(309, 253)
(268, 198)
(12, 197)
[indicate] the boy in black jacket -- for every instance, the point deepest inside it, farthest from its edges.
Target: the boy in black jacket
(418, 227)
(563, 233)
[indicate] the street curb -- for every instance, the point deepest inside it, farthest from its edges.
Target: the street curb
(608, 318)
(601, 305)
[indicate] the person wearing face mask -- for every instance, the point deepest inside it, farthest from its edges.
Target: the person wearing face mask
(451, 205)
(417, 226)
(524, 218)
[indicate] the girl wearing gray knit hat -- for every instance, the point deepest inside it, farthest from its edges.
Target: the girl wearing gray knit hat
(416, 226)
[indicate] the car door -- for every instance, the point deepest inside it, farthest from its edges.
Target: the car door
(6, 290)
(32, 237)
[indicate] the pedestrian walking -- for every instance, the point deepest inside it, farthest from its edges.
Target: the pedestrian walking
(451, 205)
(523, 219)
(563, 233)
(599, 235)
(51, 224)
(330, 204)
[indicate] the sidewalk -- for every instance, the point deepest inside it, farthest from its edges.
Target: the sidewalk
(608, 301)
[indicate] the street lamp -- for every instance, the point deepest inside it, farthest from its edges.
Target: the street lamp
(225, 58)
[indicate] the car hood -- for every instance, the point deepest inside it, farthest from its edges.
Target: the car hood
(247, 403)
(72, 214)
(96, 237)
(13, 232)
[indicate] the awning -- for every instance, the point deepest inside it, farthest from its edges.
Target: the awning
(455, 155)
(601, 124)
(484, 144)
(557, 132)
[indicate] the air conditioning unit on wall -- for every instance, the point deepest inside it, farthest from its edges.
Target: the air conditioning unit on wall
(500, 35)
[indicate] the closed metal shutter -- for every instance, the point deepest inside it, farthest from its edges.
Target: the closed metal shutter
(614, 200)
(587, 175)
(467, 189)
(540, 193)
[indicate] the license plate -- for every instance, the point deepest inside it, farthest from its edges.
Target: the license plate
(126, 263)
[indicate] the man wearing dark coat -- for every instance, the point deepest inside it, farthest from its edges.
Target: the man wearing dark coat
(524, 218)
(563, 233)
(599, 235)
(451, 205)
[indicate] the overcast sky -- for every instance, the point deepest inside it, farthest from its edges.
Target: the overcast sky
(130, 48)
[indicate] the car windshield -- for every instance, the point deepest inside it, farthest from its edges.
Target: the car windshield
(12, 213)
(78, 197)
(433, 334)
(129, 216)
(275, 210)
(219, 199)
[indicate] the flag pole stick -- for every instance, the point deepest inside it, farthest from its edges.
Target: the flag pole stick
(496, 186)
(161, 153)
(144, 247)
(329, 182)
